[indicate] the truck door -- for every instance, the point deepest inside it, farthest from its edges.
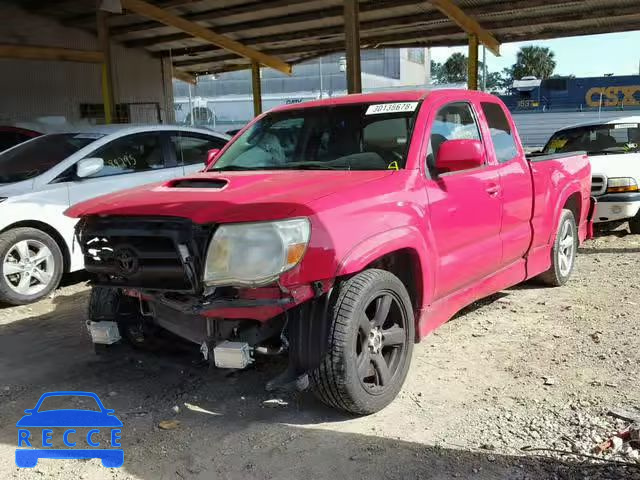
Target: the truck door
(515, 181)
(465, 207)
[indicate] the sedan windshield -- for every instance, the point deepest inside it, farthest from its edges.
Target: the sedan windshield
(36, 156)
(596, 139)
(344, 137)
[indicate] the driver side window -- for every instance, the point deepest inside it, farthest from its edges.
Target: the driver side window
(455, 121)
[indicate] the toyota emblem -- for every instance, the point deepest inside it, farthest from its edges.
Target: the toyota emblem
(126, 261)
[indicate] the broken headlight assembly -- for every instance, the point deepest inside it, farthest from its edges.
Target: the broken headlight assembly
(255, 254)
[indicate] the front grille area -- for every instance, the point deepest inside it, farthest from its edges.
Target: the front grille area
(163, 254)
(598, 185)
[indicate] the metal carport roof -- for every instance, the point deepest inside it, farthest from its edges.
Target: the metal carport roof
(297, 30)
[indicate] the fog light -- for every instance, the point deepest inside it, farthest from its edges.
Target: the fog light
(616, 209)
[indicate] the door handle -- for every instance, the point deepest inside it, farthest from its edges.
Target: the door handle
(493, 190)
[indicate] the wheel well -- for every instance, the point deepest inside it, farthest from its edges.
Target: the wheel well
(49, 230)
(404, 264)
(574, 203)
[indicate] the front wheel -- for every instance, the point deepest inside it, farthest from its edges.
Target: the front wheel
(563, 253)
(31, 265)
(371, 340)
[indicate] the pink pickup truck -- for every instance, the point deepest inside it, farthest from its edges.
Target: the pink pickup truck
(339, 232)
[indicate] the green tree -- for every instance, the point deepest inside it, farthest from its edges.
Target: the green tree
(534, 61)
(454, 70)
(495, 81)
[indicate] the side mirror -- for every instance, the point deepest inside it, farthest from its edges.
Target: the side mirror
(89, 166)
(456, 155)
(212, 156)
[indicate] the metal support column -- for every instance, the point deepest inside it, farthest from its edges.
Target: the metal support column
(107, 70)
(352, 45)
(257, 88)
(472, 77)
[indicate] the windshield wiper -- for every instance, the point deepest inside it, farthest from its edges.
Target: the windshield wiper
(299, 166)
(230, 168)
(309, 166)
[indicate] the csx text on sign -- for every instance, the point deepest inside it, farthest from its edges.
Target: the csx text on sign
(614, 96)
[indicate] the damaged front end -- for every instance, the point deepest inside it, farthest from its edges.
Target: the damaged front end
(154, 276)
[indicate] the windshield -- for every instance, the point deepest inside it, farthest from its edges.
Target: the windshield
(596, 139)
(344, 137)
(32, 158)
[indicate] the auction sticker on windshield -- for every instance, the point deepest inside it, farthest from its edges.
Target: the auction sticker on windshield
(391, 108)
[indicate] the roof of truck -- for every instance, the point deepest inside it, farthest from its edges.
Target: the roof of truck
(379, 97)
(613, 121)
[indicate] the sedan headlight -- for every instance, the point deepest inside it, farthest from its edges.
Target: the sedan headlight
(253, 254)
(621, 185)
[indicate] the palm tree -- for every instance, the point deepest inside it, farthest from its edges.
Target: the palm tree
(534, 61)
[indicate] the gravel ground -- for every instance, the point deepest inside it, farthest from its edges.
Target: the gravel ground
(529, 368)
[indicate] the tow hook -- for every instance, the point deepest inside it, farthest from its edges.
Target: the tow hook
(318, 289)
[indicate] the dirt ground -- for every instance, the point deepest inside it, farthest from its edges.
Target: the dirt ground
(529, 367)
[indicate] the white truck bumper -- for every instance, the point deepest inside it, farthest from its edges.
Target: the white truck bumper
(614, 207)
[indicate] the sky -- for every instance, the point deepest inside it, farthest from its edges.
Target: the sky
(587, 56)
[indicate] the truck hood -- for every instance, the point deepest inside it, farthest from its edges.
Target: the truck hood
(228, 196)
(618, 165)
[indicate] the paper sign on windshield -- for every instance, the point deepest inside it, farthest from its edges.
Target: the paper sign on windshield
(626, 125)
(391, 108)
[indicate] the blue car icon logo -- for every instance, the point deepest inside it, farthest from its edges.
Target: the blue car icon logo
(78, 428)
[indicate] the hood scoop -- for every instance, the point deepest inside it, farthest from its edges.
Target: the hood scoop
(207, 183)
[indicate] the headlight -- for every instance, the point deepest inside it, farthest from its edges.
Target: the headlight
(2, 199)
(621, 185)
(253, 254)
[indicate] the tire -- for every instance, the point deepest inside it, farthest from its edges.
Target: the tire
(634, 225)
(351, 376)
(111, 305)
(30, 245)
(563, 255)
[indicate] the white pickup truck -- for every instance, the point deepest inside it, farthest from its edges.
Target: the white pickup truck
(613, 147)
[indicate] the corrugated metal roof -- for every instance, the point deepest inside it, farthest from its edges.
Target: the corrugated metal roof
(297, 30)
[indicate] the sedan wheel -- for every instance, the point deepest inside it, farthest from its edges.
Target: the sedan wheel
(28, 267)
(31, 265)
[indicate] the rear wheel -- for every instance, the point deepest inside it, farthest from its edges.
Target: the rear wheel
(563, 253)
(370, 345)
(31, 265)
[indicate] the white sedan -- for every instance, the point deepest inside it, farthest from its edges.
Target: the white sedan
(41, 178)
